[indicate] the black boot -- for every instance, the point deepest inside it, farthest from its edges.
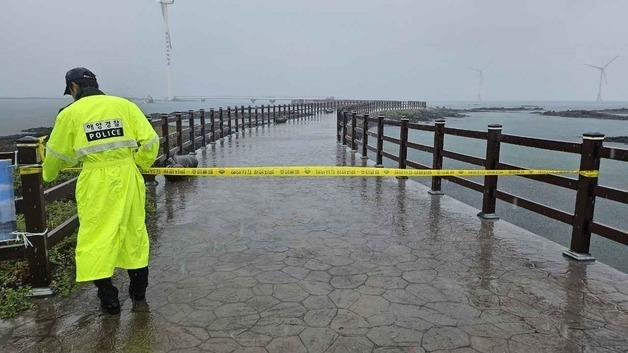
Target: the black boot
(108, 295)
(139, 282)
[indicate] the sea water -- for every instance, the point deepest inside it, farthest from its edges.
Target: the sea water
(17, 114)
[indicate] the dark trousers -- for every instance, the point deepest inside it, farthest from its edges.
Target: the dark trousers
(139, 282)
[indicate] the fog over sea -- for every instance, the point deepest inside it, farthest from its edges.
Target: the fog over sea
(19, 114)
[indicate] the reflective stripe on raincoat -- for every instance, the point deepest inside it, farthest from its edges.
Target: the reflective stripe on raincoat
(111, 137)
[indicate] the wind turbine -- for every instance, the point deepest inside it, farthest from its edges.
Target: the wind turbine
(602, 76)
(164, 11)
(480, 81)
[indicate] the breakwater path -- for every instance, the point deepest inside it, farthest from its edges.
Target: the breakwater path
(334, 265)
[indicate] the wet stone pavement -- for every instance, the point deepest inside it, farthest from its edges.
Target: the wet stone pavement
(335, 265)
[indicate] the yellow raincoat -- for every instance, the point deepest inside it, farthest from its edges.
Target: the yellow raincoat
(111, 137)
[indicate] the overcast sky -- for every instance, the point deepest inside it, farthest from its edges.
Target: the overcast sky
(406, 49)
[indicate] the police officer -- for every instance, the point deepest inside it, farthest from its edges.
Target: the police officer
(111, 137)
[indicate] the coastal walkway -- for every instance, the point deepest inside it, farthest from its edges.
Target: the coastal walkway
(334, 265)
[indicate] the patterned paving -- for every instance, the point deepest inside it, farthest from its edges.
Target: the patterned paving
(335, 265)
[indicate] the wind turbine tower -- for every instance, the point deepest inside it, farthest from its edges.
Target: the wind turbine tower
(602, 76)
(164, 11)
(480, 81)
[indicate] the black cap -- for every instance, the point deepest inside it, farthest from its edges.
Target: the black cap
(76, 74)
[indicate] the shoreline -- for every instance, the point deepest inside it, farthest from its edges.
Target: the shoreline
(608, 114)
(7, 142)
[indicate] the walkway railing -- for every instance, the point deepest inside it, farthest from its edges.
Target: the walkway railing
(180, 133)
(354, 129)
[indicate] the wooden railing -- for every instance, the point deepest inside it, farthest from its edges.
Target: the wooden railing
(180, 133)
(354, 129)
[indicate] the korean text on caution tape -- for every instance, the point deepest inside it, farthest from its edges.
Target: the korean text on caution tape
(335, 171)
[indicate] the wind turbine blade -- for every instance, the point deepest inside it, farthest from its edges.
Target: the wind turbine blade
(608, 63)
(595, 67)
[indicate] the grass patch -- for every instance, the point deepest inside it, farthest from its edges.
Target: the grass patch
(421, 114)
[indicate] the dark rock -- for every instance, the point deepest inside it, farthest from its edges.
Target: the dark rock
(521, 108)
(618, 139)
(592, 114)
(7, 143)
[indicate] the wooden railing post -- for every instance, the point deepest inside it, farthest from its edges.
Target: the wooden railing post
(35, 217)
(228, 120)
(274, 113)
(403, 144)
(585, 198)
(489, 195)
(179, 134)
(212, 127)
(192, 131)
(250, 116)
(437, 155)
(243, 126)
(235, 115)
(256, 117)
(221, 123)
(338, 126)
(380, 142)
(344, 128)
(354, 143)
(203, 132)
(365, 136)
(165, 133)
(262, 115)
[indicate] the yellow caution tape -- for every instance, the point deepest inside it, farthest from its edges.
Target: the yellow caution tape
(41, 147)
(325, 171)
